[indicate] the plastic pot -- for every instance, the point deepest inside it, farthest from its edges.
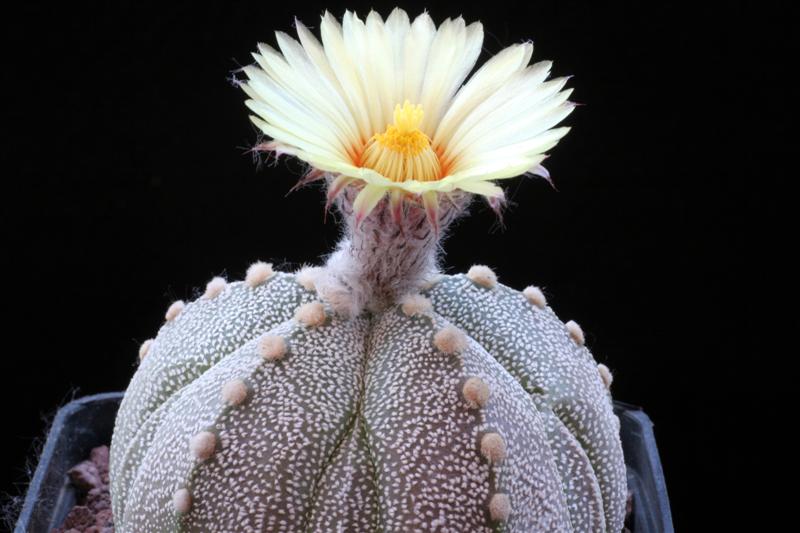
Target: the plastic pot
(88, 422)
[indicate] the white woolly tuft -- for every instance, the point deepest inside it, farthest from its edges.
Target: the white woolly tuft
(215, 287)
(535, 296)
(311, 314)
(431, 281)
(174, 310)
(234, 392)
(500, 507)
(258, 273)
(450, 340)
(182, 501)
(272, 347)
(144, 348)
(493, 447)
(202, 445)
(307, 277)
(483, 276)
(415, 304)
(476, 392)
(605, 375)
(342, 300)
(575, 332)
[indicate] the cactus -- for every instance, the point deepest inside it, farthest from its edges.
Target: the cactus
(369, 393)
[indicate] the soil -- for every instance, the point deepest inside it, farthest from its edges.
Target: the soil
(628, 513)
(92, 512)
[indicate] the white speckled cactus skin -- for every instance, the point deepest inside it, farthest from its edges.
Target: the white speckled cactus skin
(268, 405)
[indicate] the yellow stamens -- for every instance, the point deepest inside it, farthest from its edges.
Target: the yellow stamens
(403, 152)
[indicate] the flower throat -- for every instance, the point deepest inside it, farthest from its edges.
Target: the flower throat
(403, 152)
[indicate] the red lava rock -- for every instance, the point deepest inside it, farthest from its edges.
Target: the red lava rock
(92, 512)
(98, 499)
(628, 512)
(104, 518)
(85, 475)
(80, 517)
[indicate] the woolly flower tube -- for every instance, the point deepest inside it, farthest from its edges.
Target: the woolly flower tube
(382, 104)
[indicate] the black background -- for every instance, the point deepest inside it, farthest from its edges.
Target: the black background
(127, 185)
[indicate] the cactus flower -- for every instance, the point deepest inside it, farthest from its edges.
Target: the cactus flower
(382, 103)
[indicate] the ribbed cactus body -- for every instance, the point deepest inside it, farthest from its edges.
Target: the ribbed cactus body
(479, 412)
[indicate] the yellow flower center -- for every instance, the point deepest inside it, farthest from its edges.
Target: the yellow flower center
(403, 152)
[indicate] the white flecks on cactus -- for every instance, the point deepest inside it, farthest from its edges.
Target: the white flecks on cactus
(347, 499)
(541, 435)
(311, 314)
(307, 277)
(272, 347)
(605, 375)
(533, 347)
(483, 276)
(215, 287)
(273, 448)
(476, 392)
(258, 273)
(413, 488)
(575, 332)
(174, 310)
(493, 447)
(144, 349)
(202, 445)
(234, 392)
(450, 340)
(578, 480)
(500, 507)
(535, 296)
(182, 501)
(415, 304)
(208, 332)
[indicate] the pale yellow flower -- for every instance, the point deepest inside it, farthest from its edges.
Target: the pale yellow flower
(385, 103)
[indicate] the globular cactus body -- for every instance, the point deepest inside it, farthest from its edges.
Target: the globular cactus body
(471, 407)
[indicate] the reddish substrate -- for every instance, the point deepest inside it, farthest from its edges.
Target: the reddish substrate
(92, 512)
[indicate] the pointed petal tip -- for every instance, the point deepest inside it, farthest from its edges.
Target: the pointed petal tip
(430, 200)
(540, 170)
(312, 175)
(497, 204)
(366, 200)
(335, 189)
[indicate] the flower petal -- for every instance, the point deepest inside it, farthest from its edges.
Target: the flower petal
(522, 97)
(335, 188)
(487, 80)
(485, 188)
(416, 51)
(366, 201)
(430, 199)
(454, 51)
